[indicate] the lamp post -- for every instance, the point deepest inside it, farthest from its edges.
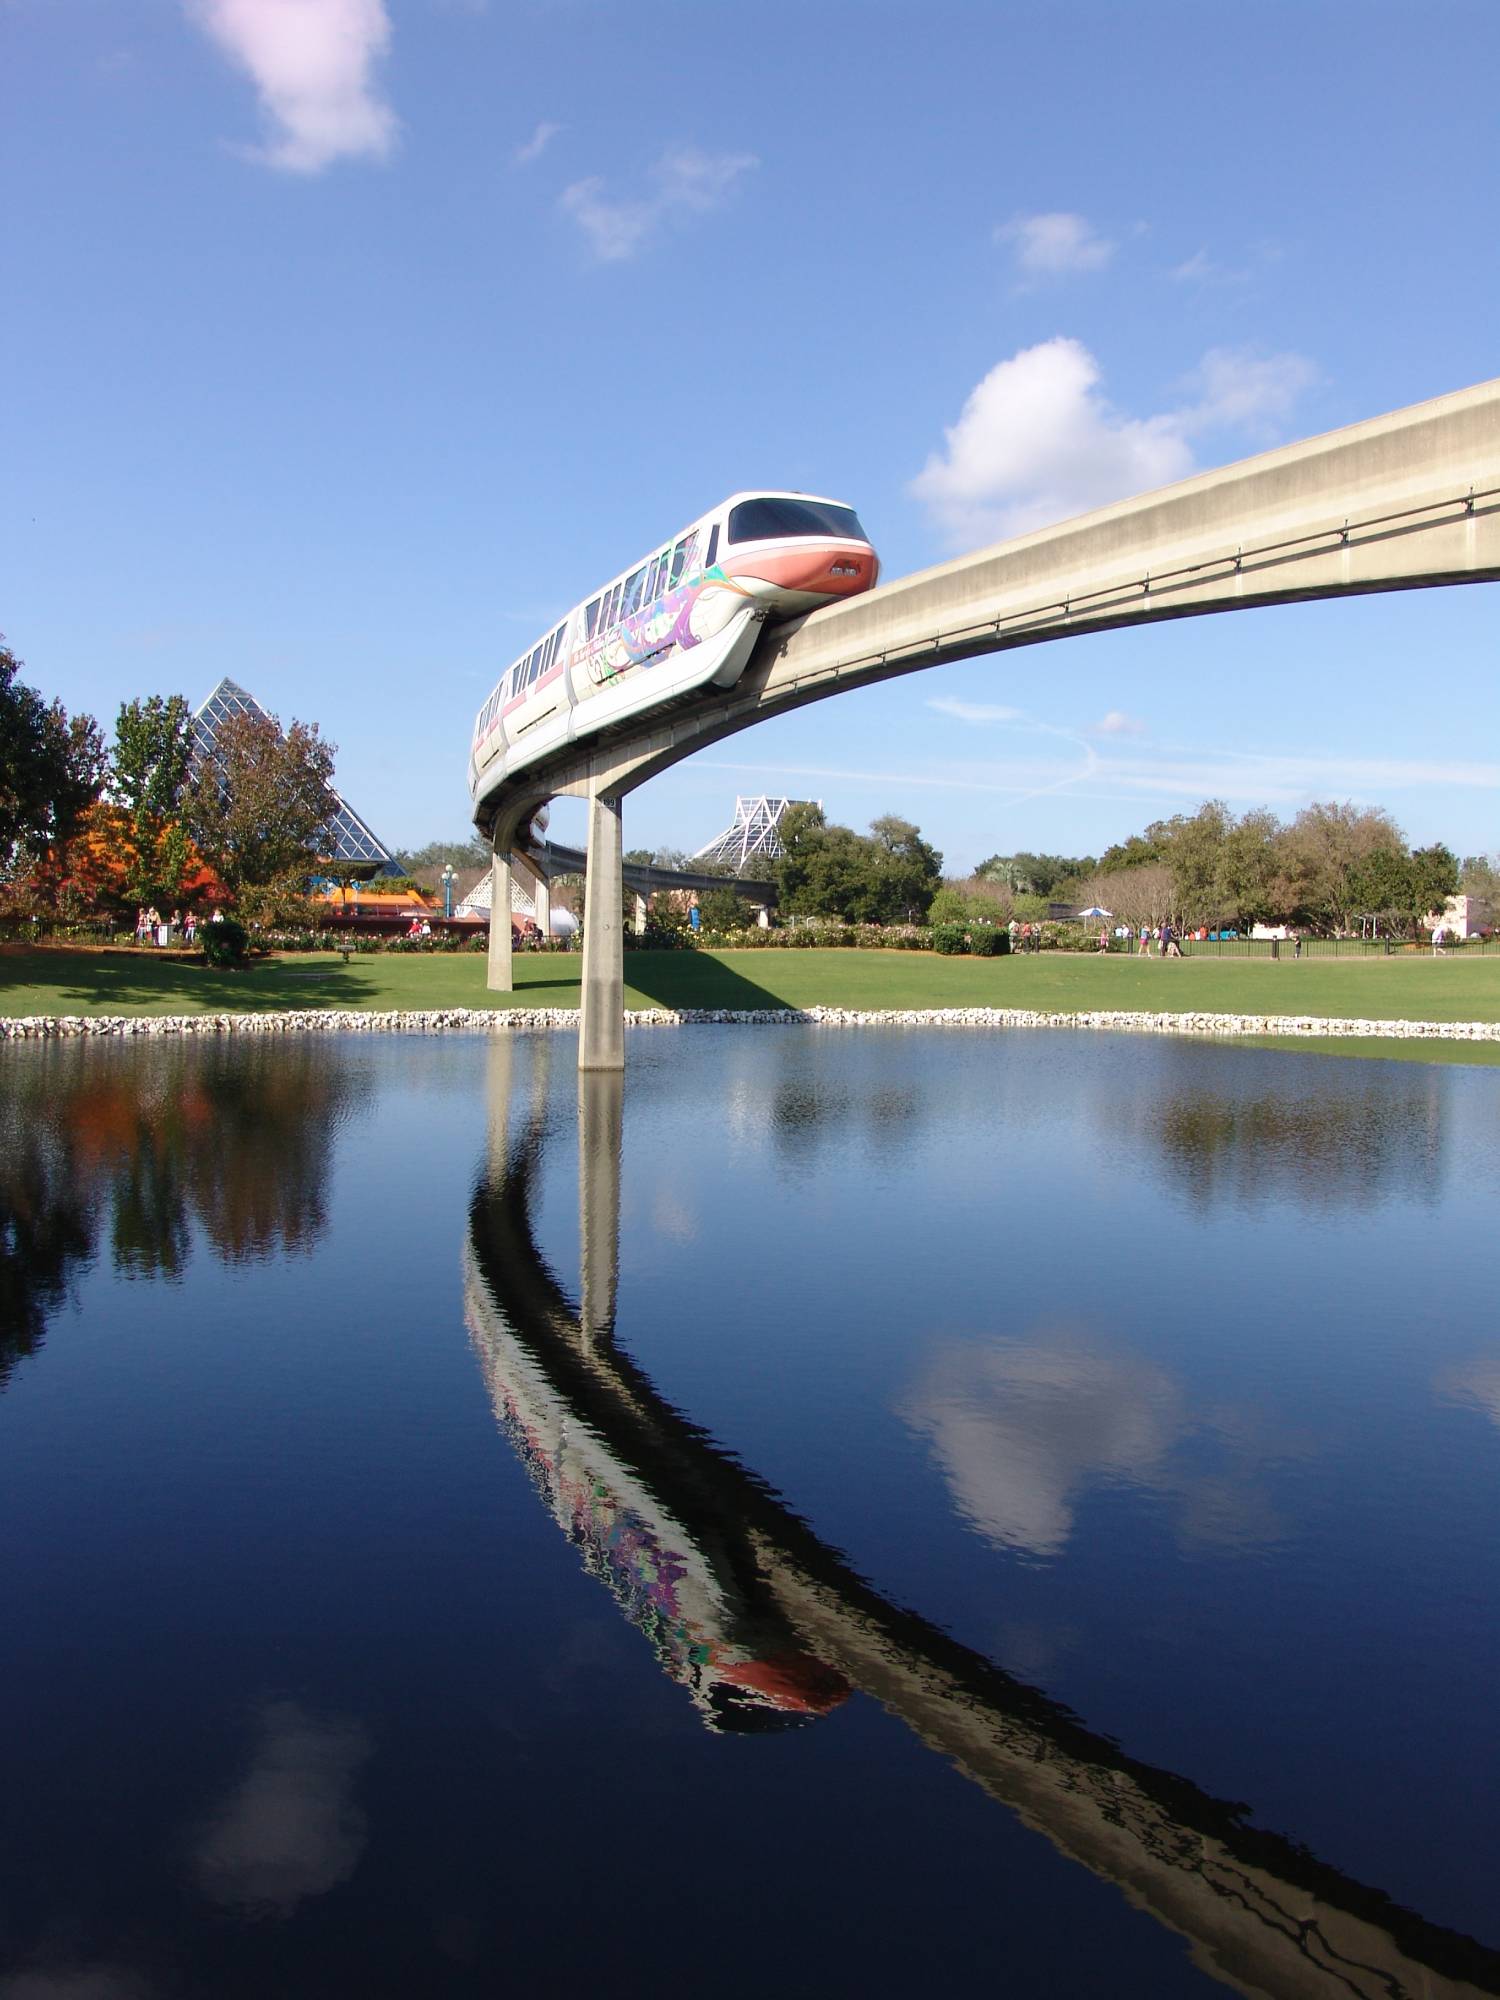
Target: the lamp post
(449, 872)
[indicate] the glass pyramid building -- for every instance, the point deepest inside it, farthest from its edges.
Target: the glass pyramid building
(352, 838)
(753, 836)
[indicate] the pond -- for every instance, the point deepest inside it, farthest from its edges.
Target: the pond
(845, 1511)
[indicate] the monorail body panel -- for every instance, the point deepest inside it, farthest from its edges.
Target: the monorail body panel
(682, 619)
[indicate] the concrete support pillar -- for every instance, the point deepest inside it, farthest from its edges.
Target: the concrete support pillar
(601, 1039)
(601, 1099)
(500, 980)
(640, 916)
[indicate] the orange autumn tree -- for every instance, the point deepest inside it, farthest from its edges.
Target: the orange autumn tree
(101, 865)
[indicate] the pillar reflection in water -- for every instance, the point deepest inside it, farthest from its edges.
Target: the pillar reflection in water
(765, 1624)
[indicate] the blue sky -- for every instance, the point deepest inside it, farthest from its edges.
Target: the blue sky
(349, 342)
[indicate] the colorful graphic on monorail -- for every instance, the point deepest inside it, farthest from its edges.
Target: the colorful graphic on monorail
(680, 619)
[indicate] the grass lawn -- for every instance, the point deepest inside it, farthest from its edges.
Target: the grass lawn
(48, 980)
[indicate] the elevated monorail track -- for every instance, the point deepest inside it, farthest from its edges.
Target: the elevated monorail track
(1401, 502)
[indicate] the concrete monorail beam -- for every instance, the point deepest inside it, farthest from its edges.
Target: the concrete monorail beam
(1401, 502)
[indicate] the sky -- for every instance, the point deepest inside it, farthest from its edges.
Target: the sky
(350, 342)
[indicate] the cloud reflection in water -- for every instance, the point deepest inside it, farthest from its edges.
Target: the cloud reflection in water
(289, 1829)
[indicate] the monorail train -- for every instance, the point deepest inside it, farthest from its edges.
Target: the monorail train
(684, 616)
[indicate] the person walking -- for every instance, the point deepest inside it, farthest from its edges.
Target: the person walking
(1143, 950)
(1439, 934)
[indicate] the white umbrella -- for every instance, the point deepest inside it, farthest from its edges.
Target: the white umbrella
(1096, 912)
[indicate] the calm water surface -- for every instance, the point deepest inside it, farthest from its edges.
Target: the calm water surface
(849, 1514)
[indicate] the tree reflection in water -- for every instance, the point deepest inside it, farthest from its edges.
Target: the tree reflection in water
(1379, 1136)
(234, 1137)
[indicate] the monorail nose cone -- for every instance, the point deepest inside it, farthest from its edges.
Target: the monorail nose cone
(828, 572)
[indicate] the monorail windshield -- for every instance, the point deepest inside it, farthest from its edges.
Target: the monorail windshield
(778, 519)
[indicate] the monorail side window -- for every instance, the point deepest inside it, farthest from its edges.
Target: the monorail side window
(591, 618)
(631, 601)
(682, 557)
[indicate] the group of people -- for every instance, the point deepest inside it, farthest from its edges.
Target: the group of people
(1024, 937)
(151, 927)
(1163, 936)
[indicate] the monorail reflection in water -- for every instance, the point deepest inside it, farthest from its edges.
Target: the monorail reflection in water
(766, 1625)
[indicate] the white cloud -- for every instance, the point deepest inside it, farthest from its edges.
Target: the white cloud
(974, 711)
(1055, 245)
(1174, 776)
(537, 144)
(1117, 723)
(1240, 390)
(1200, 269)
(312, 62)
(686, 182)
(1037, 442)
(289, 1829)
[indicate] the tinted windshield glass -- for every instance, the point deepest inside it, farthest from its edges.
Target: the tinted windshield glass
(770, 520)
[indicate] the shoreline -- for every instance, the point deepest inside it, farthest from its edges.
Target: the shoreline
(490, 1020)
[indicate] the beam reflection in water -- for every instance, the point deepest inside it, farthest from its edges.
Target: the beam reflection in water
(765, 1624)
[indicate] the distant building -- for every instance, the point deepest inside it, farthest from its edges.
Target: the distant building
(753, 835)
(352, 839)
(1463, 917)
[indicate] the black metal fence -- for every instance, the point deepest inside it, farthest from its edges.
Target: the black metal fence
(1279, 948)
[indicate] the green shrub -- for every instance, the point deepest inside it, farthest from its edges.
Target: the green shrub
(225, 944)
(952, 940)
(988, 940)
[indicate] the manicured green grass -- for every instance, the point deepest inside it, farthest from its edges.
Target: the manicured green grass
(1410, 987)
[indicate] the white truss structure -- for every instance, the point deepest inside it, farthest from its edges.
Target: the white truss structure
(477, 902)
(753, 836)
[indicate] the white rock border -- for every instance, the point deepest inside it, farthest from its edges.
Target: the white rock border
(492, 1020)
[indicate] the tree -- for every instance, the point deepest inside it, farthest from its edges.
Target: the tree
(1140, 895)
(51, 770)
(1401, 887)
(101, 866)
(260, 808)
(425, 865)
(1030, 874)
(888, 876)
(907, 872)
(1250, 868)
(1478, 876)
(1137, 852)
(723, 910)
(1323, 851)
(978, 899)
(149, 777)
